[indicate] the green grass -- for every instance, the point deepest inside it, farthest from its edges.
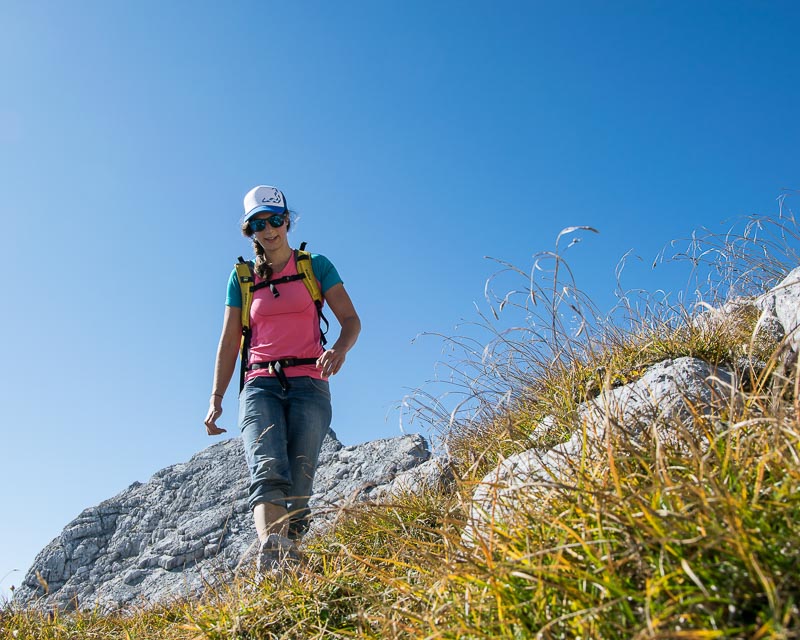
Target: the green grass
(695, 539)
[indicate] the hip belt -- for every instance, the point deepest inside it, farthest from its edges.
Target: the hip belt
(277, 367)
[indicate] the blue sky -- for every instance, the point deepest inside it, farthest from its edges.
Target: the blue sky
(414, 139)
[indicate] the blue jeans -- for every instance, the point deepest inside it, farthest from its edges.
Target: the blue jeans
(282, 433)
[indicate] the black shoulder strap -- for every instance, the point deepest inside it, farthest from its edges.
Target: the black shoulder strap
(271, 283)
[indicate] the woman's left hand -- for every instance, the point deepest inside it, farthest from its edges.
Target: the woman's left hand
(330, 362)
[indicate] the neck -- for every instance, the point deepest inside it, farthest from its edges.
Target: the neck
(280, 257)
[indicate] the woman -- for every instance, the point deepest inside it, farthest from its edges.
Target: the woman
(284, 415)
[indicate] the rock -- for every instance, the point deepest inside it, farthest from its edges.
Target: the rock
(658, 405)
(666, 395)
(769, 330)
(360, 473)
(189, 526)
(435, 474)
(743, 317)
(732, 315)
(524, 476)
(782, 304)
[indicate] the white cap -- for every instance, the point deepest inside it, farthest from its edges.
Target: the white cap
(263, 198)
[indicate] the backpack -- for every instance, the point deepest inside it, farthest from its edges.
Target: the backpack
(246, 274)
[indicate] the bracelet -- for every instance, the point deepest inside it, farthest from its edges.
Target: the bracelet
(219, 395)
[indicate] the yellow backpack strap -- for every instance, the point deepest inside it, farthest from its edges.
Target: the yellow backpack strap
(302, 259)
(244, 271)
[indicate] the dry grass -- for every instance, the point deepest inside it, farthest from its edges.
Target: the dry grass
(698, 539)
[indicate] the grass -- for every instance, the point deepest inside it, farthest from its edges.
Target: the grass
(697, 538)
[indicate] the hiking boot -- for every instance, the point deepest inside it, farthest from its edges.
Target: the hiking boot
(275, 554)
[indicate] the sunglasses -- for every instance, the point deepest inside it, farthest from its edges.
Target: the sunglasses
(276, 221)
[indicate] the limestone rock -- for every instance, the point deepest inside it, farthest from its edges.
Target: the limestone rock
(782, 303)
(665, 396)
(731, 315)
(350, 474)
(437, 473)
(736, 317)
(189, 525)
(663, 400)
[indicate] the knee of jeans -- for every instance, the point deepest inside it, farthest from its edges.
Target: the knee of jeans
(270, 471)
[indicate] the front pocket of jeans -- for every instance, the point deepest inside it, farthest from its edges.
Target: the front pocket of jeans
(320, 385)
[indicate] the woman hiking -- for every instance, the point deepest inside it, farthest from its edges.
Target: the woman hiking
(284, 402)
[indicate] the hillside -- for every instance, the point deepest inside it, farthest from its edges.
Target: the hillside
(634, 474)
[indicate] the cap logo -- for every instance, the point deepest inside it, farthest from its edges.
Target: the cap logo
(276, 198)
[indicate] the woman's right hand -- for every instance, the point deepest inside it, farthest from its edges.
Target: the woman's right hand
(214, 412)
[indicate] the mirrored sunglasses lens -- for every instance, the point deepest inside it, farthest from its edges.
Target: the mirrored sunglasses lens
(258, 225)
(276, 220)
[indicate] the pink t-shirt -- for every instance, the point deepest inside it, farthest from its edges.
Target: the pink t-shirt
(284, 327)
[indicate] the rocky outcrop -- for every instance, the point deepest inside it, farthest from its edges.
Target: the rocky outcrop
(736, 317)
(434, 475)
(662, 402)
(782, 304)
(665, 401)
(189, 525)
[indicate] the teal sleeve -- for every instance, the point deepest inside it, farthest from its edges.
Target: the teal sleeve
(234, 298)
(324, 270)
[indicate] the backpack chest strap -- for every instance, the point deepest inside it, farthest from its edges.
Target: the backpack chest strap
(271, 283)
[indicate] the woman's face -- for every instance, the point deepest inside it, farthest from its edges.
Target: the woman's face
(271, 238)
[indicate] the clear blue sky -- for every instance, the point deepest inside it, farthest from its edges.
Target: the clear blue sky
(414, 138)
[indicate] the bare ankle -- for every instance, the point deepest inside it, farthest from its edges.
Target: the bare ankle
(270, 518)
